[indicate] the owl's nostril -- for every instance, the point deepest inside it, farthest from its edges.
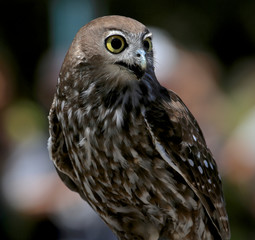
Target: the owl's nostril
(140, 53)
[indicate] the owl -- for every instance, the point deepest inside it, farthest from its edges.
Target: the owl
(127, 145)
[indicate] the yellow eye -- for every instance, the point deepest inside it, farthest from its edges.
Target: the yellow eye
(147, 44)
(115, 44)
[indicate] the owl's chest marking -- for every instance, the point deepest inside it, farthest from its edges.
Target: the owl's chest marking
(117, 164)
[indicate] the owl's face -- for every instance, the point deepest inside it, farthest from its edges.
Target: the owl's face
(128, 52)
(120, 48)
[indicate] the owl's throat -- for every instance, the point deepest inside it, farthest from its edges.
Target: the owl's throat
(134, 68)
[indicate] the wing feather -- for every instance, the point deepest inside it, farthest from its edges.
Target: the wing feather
(180, 142)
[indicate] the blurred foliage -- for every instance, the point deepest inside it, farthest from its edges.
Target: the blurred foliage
(24, 119)
(239, 206)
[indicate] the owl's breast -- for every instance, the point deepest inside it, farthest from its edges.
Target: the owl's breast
(121, 173)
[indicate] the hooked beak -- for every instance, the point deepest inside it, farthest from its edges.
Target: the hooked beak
(141, 59)
(139, 65)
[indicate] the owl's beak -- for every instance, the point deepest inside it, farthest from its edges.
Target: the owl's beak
(141, 59)
(139, 65)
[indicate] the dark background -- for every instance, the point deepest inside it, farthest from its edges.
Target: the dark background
(224, 28)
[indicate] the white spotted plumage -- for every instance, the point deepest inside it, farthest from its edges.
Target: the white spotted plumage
(127, 145)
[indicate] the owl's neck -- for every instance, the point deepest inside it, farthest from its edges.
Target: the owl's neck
(125, 92)
(119, 100)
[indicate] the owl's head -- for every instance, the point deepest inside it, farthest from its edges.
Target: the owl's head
(113, 46)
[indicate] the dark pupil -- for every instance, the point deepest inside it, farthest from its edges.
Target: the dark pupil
(146, 44)
(116, 43)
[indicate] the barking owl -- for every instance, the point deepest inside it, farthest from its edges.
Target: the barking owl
(127, 145)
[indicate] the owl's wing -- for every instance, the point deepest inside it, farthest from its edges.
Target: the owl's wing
(180, 142)
(58, 151)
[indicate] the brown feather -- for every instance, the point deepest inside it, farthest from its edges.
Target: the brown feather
(128, 146)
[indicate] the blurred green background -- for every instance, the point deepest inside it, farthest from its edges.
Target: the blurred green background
(204, 51)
